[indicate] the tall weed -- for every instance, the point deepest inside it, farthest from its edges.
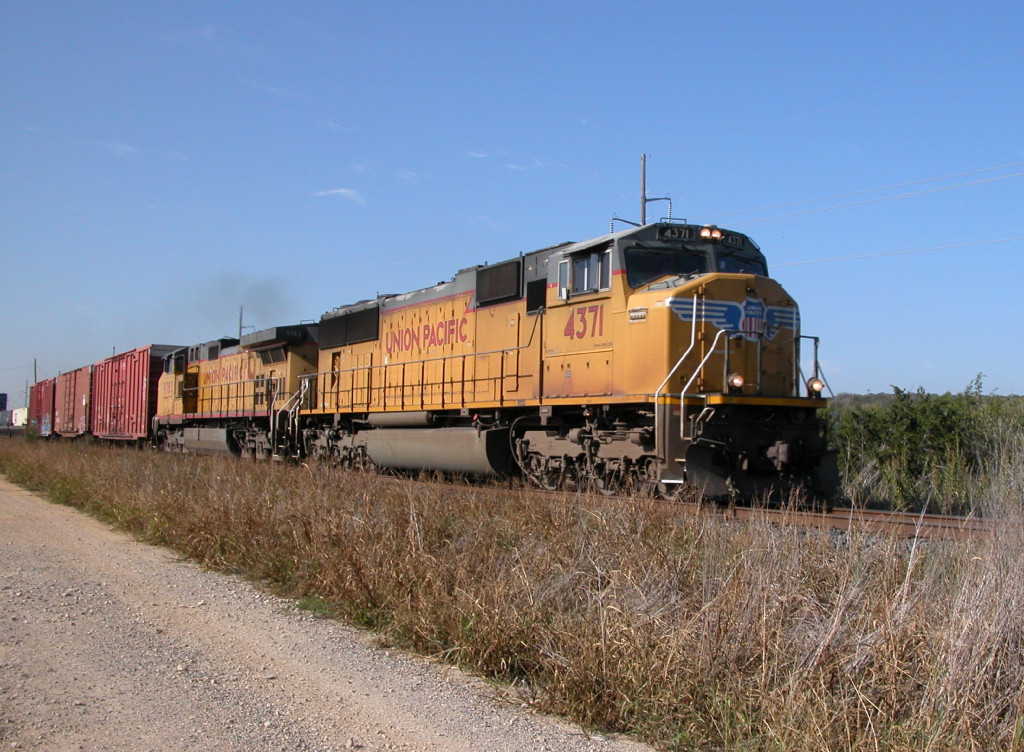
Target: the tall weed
(690, 631)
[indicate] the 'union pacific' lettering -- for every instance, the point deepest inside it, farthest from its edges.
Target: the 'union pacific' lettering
(440, 334)
(228, 371)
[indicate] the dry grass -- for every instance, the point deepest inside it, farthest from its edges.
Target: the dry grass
(693, 633)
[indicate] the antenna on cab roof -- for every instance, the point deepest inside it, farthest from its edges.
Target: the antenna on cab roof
(644, 200)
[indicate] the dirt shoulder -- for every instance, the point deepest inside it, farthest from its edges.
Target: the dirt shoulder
(111, 644)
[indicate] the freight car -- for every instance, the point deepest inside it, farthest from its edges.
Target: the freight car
(124, 393)
(660, 357)
(72, 413)
(12, 422)
(40, 407)
(9, 422)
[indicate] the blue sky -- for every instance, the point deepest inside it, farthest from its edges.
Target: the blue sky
(163, 164)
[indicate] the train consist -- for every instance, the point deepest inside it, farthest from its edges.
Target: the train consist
(662, 357)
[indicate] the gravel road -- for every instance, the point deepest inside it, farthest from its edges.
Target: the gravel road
(111, 644)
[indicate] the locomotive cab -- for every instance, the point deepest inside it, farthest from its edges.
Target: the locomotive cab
(679, 330)
(730, 414)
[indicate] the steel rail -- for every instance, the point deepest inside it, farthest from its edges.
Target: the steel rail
(904, 524)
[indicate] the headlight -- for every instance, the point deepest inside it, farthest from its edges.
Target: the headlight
(736, 382)
(814, 386)
(710, 232)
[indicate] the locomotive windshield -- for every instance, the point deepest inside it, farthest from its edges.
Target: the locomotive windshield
(738, 262)
(645, 265)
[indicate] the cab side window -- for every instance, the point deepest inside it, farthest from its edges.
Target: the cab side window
(587, 272)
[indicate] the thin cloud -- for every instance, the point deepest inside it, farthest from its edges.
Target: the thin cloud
(541, 164)
(122, 149)
(337, 126)
(477, 154)
(267, 89)
(116, 147)
(521, 163)
(210, 38)
(346, 193)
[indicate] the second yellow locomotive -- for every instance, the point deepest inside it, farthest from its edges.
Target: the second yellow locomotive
(234, 396)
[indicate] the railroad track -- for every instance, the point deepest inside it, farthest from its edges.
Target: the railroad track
(905, 524)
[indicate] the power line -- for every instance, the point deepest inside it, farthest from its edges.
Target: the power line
(879, 200)
(902, 253)
(869, 190)
(806, 112)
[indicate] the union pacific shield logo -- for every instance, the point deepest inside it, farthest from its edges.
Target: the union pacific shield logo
(752, 318)
(752, 324)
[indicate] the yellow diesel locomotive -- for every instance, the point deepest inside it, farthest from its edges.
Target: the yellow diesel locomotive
(661, 357)
(231, 396)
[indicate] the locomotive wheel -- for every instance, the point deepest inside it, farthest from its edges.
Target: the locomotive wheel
(359, 460)
(549, 480)
(540, 472)
(608, 481)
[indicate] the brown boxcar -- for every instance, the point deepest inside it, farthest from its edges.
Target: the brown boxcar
(40, 407)
(124, 392)
(71, 413)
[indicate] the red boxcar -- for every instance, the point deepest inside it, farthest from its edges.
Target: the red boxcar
(40, 407)
(124, 389)
(71, 411)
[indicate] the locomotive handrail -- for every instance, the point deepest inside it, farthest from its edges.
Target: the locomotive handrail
(217, 396)
(422, 362)
(290, 406)
(524, 346)
(818, 372)
(696, 372)
(671, 373)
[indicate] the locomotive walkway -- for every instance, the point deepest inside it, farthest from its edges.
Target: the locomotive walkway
(108, 643)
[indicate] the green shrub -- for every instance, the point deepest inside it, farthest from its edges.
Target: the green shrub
(915, 450)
